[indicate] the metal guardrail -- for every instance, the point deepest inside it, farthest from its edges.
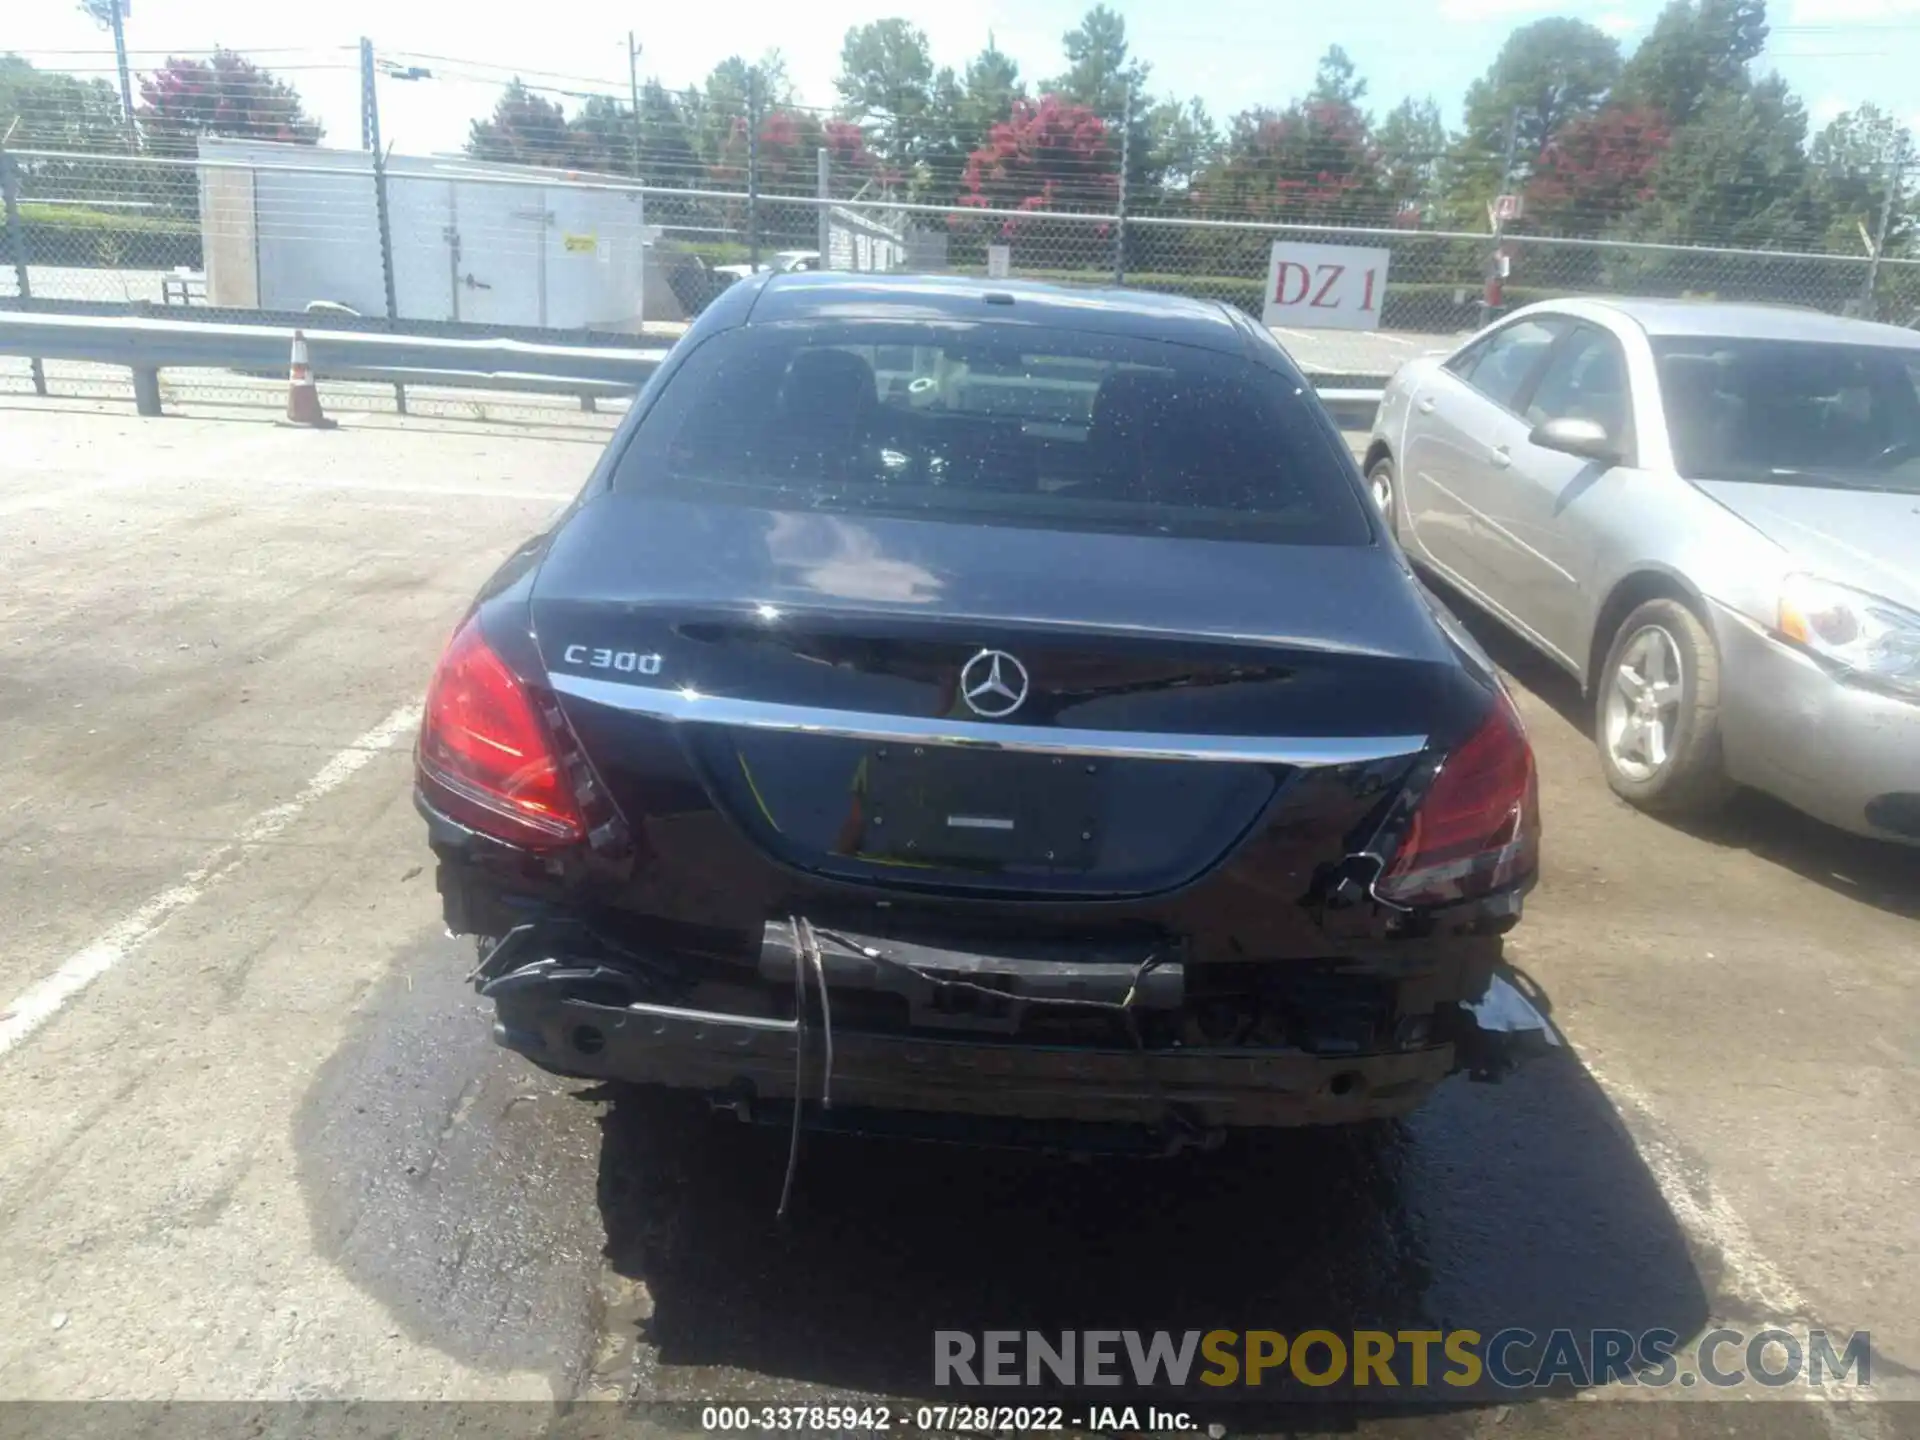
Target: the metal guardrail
(148, 345)
(1352, 409)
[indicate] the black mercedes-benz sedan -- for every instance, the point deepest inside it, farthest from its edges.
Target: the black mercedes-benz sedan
(982, 710)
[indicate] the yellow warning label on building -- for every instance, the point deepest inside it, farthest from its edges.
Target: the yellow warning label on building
(581, 244)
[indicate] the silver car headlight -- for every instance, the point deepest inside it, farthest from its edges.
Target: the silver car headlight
(1863, 635)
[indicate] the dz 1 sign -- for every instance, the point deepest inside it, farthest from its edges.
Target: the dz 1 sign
(1325, 287)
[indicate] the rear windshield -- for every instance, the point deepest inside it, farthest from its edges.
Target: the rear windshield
(1791, 412)
(998, 424)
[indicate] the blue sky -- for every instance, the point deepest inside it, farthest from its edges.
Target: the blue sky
(1231, 53)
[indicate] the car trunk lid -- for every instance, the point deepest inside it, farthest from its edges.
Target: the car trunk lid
(937, 706)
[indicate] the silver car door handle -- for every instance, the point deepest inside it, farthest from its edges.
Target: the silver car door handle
(1499, 458)
(1424, 404)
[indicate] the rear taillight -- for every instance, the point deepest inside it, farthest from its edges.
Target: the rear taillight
(485, 759)
(1478, 829)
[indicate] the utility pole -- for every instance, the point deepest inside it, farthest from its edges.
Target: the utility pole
(633, 87)
(116, 12)
(1120, 217)
(753, 168)
(370, 133)
(1896, 173)
(119, 10)
(1493, 297)
(823, 184)
(899, 142)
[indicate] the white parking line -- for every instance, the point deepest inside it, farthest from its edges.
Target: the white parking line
(1702, 1210)
(1748, 1277)
(43, 1000)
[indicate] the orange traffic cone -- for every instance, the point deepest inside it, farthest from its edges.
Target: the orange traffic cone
(303, 397)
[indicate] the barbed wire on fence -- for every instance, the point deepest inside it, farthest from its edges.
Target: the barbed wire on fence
(1296, 166)
(738, 173)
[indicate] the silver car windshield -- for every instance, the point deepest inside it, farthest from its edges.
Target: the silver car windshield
(1792, 412)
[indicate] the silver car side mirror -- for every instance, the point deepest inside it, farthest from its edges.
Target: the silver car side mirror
(1572, 435)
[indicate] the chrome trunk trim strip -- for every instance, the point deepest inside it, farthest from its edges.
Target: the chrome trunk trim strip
(692, 707)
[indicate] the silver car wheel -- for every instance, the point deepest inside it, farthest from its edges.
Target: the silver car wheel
(1643, 704)
(1380, 483)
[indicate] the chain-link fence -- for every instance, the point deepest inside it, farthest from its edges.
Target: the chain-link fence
(243, 230)
(622, 209)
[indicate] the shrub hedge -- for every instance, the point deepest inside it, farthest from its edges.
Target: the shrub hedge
(100, 239)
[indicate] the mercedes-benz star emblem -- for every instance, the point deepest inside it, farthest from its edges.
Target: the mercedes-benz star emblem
(993, 684)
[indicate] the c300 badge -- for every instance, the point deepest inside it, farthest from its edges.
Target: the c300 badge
(626, 662)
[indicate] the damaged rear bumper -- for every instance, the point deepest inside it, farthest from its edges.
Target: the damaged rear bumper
(747, 1060)
(607, 1019)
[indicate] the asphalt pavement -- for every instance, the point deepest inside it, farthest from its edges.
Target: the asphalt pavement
(1372, 354)
(258, 1146)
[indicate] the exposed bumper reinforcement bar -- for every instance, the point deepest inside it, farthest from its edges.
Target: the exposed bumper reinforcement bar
(1147, 975)
(751, 1058)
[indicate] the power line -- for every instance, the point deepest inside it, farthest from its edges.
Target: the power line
(518, 70)
(188, 50)
(83, 70)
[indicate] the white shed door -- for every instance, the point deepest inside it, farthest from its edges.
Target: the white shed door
(501, 232)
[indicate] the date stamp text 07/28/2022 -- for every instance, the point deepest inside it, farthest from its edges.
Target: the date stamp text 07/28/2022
(942, 1419)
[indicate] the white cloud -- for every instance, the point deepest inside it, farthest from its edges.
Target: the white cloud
(1826, 108)
(1828, 12)
(1469, 11)
(1616, 24)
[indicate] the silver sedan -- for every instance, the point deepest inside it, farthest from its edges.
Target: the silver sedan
(1710, 515)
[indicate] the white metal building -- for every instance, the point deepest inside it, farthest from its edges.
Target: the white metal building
(283, 226)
